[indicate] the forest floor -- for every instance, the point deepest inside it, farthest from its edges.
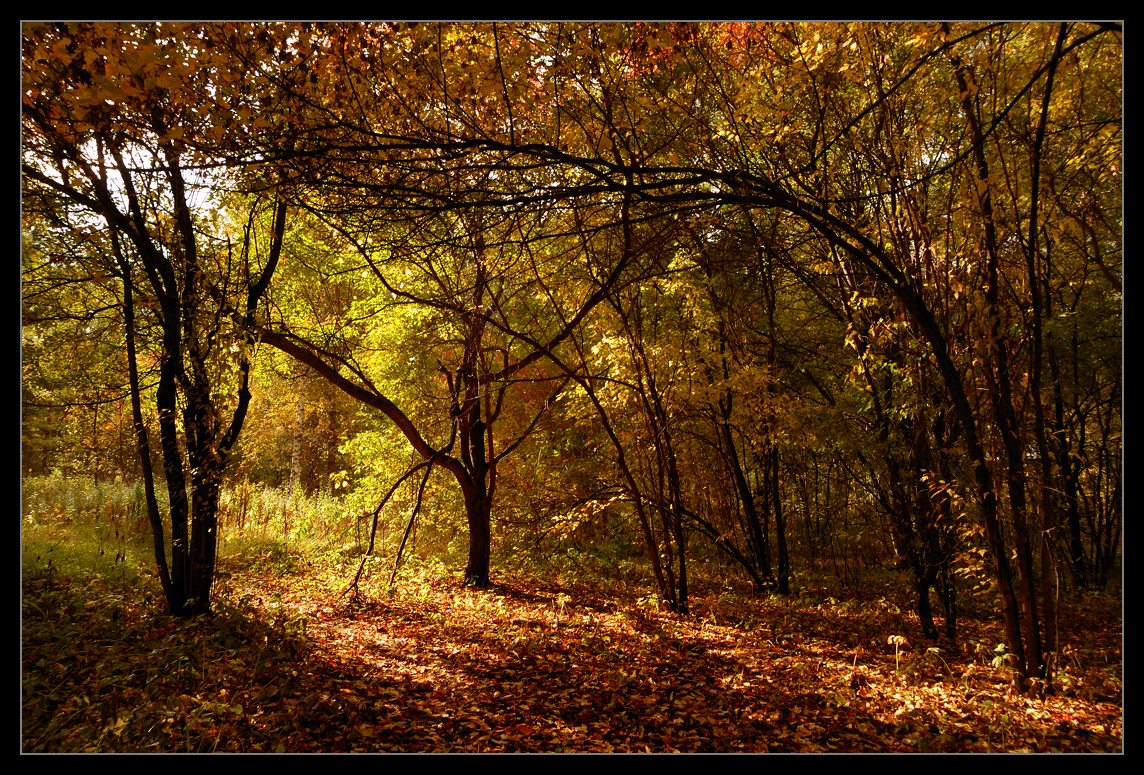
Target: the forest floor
(286, 665)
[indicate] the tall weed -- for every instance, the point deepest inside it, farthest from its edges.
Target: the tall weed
(80, 526)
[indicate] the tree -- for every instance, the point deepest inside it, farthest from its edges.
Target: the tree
(105, 111)
(835, 92)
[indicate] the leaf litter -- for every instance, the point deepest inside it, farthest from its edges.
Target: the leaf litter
(284, 665)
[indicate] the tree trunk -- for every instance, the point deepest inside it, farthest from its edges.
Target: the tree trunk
(756, 538)
(1001, 390)
(296, 463)
(478, 513)
(143, 442)
(204, 546)
(771, 471)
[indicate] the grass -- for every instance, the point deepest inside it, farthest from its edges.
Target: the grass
(88, 528)
(85, 529)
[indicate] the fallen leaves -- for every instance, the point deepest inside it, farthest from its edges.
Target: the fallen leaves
(525, 667)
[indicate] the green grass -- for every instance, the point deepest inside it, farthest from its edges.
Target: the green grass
(87, 529)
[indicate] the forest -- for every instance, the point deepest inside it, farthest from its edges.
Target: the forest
(571, 387)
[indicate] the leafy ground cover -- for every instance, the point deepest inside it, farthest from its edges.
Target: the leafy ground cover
(285, 664)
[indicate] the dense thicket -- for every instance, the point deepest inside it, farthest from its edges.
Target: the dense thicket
(763, 297)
